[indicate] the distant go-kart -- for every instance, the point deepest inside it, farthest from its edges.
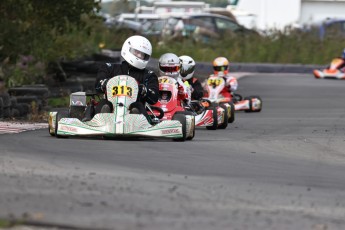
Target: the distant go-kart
(215, 85)
(334, 70)
(247, 104)
(121, 91)
(210, 118)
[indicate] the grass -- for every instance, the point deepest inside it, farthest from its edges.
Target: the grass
(8, 224)
(4, 223)
(58, 101)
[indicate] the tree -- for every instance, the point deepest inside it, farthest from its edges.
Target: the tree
(26, 23)
(43, 30)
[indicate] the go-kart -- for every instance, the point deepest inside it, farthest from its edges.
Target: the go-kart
(235, 102)
(172, 105)
(247, 104)
(121, 92)
(214, 86)
(334, 71)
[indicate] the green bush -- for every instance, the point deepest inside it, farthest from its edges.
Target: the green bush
(46, 31)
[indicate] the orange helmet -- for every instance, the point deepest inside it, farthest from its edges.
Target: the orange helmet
(221, 65)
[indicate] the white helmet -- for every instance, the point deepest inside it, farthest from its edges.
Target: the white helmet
(169, 65)
(136, 50)
(187, 67)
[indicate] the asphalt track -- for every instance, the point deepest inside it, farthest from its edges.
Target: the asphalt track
(282, 168)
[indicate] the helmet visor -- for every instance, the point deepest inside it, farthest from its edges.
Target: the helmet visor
(139, 54)
(169, 69)
(186, 69)
(164, 95)
(220, 68)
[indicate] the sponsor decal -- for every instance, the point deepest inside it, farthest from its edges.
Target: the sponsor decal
(170, 131)
(68, 128)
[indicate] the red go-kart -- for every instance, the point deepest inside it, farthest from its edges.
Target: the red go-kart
(171, 104)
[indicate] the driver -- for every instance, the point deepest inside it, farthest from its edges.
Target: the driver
(187, 72)
(169, 65)
(221, 69)
(136, 52)
(342, 66)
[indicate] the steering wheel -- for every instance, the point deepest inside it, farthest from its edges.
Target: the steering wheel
(160, 110)
(238, 97)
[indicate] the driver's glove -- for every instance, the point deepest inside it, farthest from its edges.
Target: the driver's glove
(142, 91)
(103, 84)
(181, 92)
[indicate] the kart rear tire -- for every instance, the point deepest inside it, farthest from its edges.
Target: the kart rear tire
(226, 118)
(250, 105)
(59, 115)
(182, 119)
(232, 112)
(215, 120)
(259, 98)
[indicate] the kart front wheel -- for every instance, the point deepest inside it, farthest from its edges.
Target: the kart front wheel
(225, 120)
(232, 113)
(59, 115)
(182, 119)
(51, 129)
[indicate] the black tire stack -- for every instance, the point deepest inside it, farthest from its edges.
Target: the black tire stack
(9, 107)
(18, 101)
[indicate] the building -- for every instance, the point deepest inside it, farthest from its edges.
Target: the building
(278, 14)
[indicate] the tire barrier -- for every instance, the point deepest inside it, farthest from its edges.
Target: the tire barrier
(19, 102)
(1, 108)
(6, 105)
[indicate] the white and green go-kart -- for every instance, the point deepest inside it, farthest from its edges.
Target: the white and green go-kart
(121, 91)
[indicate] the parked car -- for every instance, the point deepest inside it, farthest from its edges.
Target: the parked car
(203, 27)
(330, 27)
